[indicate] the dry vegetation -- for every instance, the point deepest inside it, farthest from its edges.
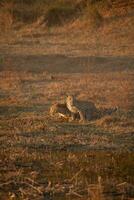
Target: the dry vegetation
(49, 50)
(60, 12)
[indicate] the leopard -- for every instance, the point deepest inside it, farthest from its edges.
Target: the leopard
(86, 110)
(59, 111)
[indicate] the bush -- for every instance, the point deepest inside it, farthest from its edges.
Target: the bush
(59, 14)
(54, 12)
(25, 15)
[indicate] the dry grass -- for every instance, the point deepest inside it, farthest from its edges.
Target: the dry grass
(6, 16)
(37, 175)
(22, 92)
(45, 158)
(85, 14)
(57, 13)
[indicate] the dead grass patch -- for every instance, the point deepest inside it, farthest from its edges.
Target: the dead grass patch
(107, 121)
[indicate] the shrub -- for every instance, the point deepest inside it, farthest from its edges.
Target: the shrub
(54, 12)
(59, 14)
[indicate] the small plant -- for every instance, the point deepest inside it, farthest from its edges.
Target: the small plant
(1, 60)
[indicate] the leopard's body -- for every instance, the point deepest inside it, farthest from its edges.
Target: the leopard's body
(86, 110)
(59, 110)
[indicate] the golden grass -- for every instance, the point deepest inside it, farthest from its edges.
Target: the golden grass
(36, 157)
(31, 166)
(6, 16)
(112, 91)
(70, 175)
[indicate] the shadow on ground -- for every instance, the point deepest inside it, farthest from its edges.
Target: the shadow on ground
(67, 64)
(16, 110)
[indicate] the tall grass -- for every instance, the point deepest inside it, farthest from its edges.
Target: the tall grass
(6, 16)
(55, 13)
(93, 16)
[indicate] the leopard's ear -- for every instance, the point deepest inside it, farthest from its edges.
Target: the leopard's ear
(68, 95)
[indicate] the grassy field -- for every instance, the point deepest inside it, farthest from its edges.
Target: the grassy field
(46, 158)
